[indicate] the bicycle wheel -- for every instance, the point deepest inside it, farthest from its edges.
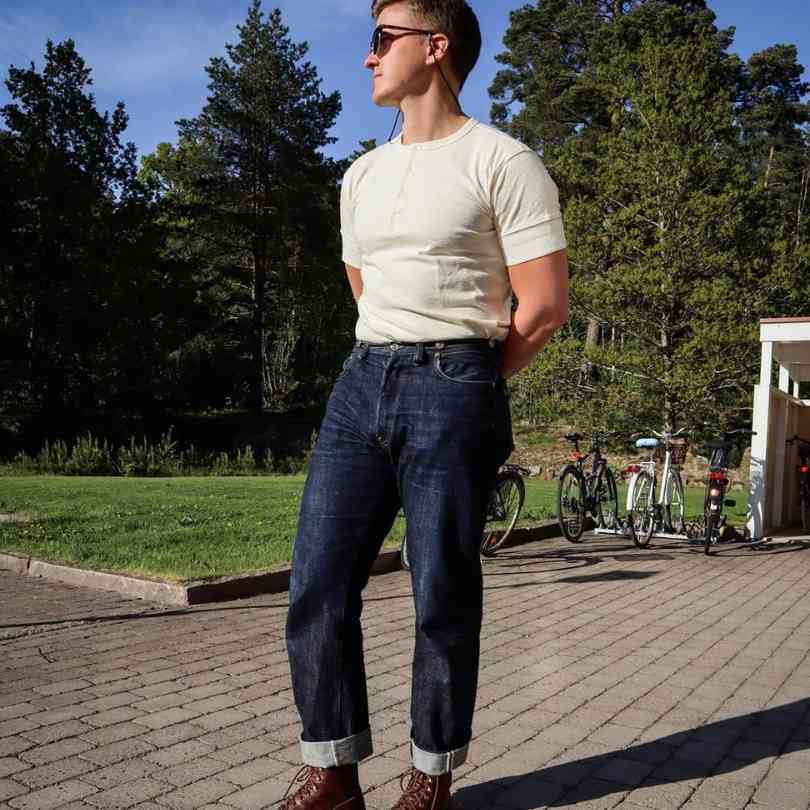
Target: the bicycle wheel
(606, 500)
(643, 512)
(571, 503)
(805, 510)
(505, 502)
(674, 503)
(403, 554)
(710, 534)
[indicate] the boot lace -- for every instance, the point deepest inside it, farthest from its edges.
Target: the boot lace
(418, 793)
(311, 779)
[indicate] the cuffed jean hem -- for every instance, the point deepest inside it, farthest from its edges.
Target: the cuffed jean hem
(437, 764)
(337, 752)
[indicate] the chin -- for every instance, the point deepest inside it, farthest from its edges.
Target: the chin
(382, 99)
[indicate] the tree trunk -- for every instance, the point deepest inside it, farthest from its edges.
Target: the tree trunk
(768, 168)
(667, 398)
(257, 338)
(587, 372)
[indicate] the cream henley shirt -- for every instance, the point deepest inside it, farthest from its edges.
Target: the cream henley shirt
(433, 227)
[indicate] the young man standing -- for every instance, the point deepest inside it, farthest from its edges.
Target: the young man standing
(439, 226)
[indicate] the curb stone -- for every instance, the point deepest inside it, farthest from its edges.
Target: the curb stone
(219, 590)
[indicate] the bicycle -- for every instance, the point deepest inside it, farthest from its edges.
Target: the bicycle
(580, 494)
(803, 469)
(647, 511)
(504, 504)
(717, 482)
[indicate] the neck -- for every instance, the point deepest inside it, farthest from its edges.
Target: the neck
(430, 117)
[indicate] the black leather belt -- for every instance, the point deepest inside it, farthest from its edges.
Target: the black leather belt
(431, 344)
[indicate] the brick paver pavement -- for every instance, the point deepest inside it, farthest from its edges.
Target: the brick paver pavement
(609, 677)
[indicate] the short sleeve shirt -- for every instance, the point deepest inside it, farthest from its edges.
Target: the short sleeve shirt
(433, 227)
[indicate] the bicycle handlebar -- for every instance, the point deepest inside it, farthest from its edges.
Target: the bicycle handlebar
(668, 434)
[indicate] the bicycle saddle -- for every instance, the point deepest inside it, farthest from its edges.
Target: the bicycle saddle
(646, 443)
(573, 437)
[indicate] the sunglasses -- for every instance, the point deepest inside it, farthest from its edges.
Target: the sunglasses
(380, 35)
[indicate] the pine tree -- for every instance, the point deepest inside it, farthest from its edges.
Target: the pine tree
(259, 193)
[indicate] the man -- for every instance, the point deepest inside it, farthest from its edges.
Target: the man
(439, 226)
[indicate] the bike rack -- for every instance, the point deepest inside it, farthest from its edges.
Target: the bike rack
(664, 535)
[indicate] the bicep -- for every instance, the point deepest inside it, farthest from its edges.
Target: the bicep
(542, 284)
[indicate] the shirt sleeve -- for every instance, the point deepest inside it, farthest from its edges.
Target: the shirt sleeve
(351, 251)
(526, 207)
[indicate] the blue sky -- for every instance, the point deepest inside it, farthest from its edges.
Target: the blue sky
(151, 54)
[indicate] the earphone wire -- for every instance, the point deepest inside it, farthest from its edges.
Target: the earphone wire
(452, 93)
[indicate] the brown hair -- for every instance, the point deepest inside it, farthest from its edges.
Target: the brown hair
(454, 18)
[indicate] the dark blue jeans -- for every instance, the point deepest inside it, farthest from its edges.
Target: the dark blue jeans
(426, 429)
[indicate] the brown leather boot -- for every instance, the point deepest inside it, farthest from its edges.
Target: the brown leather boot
(425, 792)
(326, 789)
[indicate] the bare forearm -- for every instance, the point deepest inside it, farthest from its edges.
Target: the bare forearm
(541, 287)
(355, 281)
(527, 336)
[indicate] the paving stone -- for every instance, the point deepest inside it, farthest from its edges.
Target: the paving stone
(725, 793)
(53, 796)
(9, 789)
(627, 772)
(58, 731)
(120, 772)
(59, 771)
(192, 771)
(779, 794)
(245, 751)
(166, 717)
(221, 719)
(119, 751)
(128, 794)
(43, 754)
(696, 676)
(12, 765)
(660, 795)
(266, 793)
(14, 745)
(203, 792)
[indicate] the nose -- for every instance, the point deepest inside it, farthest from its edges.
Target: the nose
(371, 61)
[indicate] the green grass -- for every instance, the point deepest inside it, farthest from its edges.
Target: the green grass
(185, 529)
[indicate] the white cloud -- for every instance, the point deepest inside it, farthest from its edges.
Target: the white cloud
(153, 42)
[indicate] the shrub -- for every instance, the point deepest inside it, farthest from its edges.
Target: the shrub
(146, 460)
(89, 456)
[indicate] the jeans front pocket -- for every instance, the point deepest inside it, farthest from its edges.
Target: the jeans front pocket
(467, 367)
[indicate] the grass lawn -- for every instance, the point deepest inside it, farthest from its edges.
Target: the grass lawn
(184, 529)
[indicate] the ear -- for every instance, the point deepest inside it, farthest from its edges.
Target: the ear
(438, 47)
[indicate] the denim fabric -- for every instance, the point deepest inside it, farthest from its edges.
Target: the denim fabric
(426, 429)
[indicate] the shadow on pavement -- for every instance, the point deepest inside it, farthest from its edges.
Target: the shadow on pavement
(721, 747)
(610, 576)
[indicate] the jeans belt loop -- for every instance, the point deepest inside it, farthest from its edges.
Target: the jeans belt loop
(420, 357)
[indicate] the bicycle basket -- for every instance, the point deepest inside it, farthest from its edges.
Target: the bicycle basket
(677, 447)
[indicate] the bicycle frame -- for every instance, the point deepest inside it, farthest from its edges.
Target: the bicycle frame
(663, 490)
(651, 466)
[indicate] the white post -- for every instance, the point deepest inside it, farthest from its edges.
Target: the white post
(757, 522)
(779, 417)
(766, 363)
(784, 379)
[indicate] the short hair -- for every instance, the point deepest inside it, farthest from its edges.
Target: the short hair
(454, 18)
